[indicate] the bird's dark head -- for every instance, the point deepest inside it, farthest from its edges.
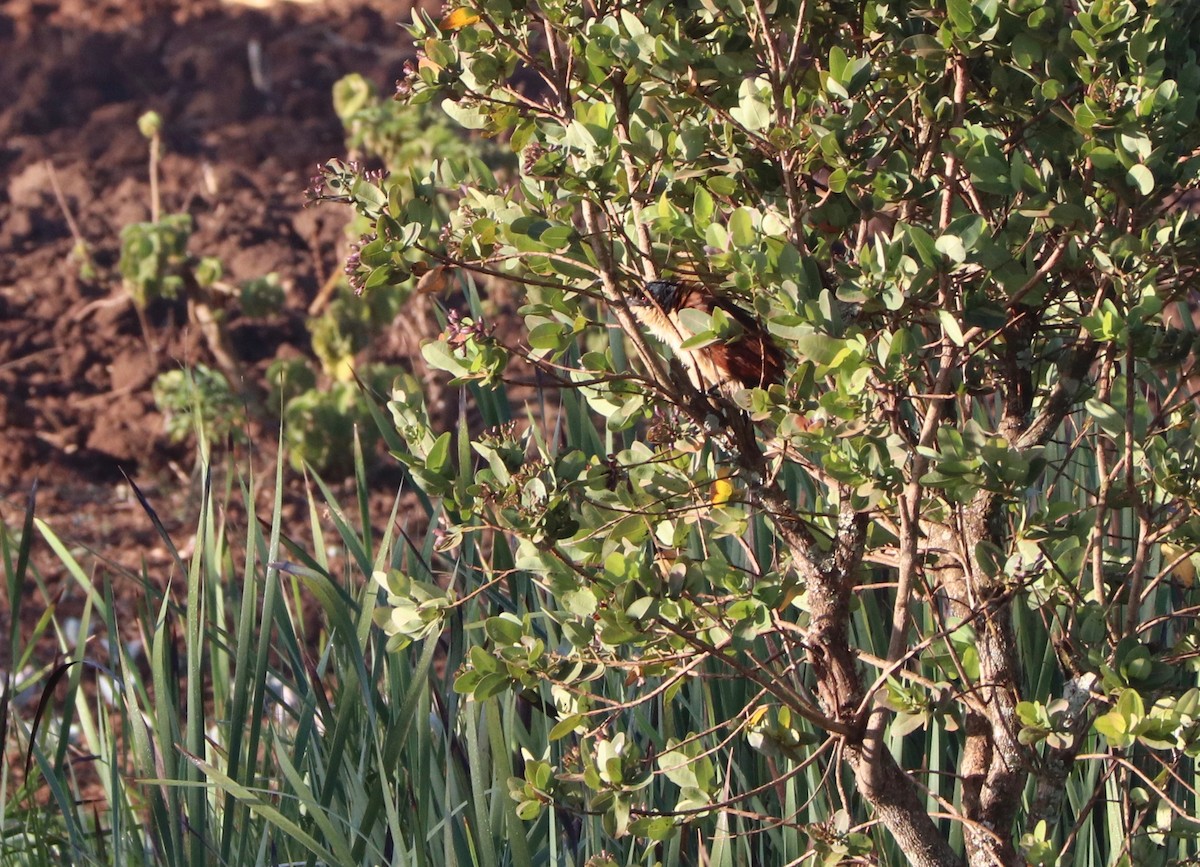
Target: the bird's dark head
(664, 294)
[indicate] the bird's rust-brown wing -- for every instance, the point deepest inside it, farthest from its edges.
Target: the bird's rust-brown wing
(751, 360)
(754, 360)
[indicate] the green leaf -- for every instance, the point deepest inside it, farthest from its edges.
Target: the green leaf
(820, 348)
(951, 246)
(1026, 51)
(490, 685)
(837, 63)
(960, 16)
(751, 111)
(703, 207)
(440, 357)
(1131, 706)
(721, 185)
(548, 335)
(1085, 118)
(1107, 418)
(438, 460)
(467, 116)
(923, 243)
(700, 326)
(566, 726)
(1136, 143)
(654, 828)
(716, 236)
(970, 228)
(741, 227)
(557, 237)
(951, 327)
(1104, 158)
(1141, 178)
(504, 629)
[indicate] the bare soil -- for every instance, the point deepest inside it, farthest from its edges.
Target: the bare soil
(245, 98)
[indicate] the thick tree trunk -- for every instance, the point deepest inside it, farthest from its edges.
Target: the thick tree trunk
(994, 764)
(891, 793)
(895, 800)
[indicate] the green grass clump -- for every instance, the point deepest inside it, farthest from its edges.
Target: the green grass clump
(247, 731)
(235, 736)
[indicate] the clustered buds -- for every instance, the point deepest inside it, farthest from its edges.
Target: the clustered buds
(355, 275)
(460, 329)
(315, 192)
(456, 230)
(541, 161)
(533, 152)
(447, 238)
(507, 444)
(404, 85)
(503, 435)
(335, 180)
(666, 427)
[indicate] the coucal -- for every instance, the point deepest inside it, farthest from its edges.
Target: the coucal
(752, 359)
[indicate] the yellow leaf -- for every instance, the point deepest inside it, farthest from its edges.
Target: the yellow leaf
(757, 715)
(722, 492)
(461, 17)
(1183, 572)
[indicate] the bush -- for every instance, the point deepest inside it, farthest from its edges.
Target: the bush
(932, 555)
(320, 426)
(156, 264)
(262, 296)
(198, 399)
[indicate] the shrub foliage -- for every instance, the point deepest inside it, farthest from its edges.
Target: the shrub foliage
(930, 594)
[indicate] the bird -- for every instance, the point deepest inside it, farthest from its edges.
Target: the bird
(751, 359)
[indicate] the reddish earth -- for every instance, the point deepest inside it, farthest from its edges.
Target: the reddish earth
(241, 140)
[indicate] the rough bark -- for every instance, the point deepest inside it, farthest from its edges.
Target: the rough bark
(896, 803)
(993, 766)
(891, 793)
